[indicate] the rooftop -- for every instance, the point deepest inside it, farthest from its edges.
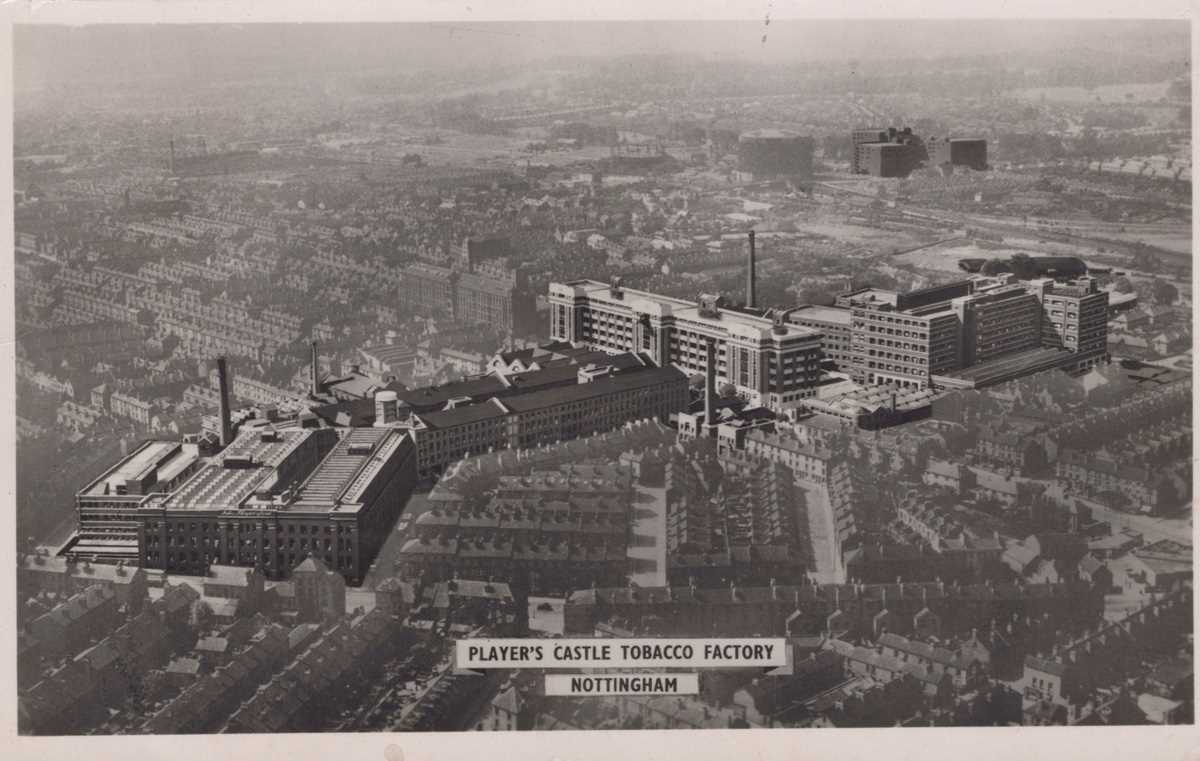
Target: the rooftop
(636, 378)
(868, 399)
(871, 296)
(162, 459)
(768, 134)
(823, 313)
(390, 353)
(930, 591)
(441, 593)
(437, 396)
(345, 471)
(1007, 367)
(471, 413)
(729, 321)
(355, 385)
(247, 463)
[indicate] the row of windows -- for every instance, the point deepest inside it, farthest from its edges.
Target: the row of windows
(896, 345)
(602, 330)
(216, 542)
(600, 319)
(454, 443)
(450, 438)
(893, 356)
(152, 527)
(895, 368)
(889, 319)
(155, 558)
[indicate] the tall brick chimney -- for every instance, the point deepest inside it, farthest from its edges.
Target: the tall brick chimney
(710, 385)
(223, 401)
(751, 275)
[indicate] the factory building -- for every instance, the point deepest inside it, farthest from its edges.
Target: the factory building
(479, 286)
(834, 326)
(275, 496)
(1075, 318)
(771, 362)
(994, 328)
(596, 398)
(107, 508)
(887, 152)
(959, 151)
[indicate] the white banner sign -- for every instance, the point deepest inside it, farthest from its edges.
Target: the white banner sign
(623, 653)
(622, 684)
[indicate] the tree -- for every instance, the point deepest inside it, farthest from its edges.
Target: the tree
(1164, 292)
(1143, 257)
(1021, 265)
(728, 391)
(994, 267)
(204, 616)
(133, 682)
(814, 295)
(1123, 285)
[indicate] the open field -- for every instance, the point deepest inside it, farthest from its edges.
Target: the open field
(881, 241)
(945, 256)
(1106, 94)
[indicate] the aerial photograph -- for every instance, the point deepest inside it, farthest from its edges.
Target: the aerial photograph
(344, 350)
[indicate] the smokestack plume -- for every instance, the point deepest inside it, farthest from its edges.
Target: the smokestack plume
(751, 276)
(710, 386)
(314, 372)
(224, 411)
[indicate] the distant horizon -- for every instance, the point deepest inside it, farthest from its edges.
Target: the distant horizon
(55, 56)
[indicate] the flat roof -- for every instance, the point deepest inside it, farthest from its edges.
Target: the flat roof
(429, 270)
(151, 454)
(732, 321)
(877, 295)
(884, 145)
(937, 309)
(823, 313)
(769, 134)
(335, 474)
(219, 487)
(1012, 366)
(485, 283)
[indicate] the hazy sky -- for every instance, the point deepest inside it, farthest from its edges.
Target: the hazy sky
(52, 55)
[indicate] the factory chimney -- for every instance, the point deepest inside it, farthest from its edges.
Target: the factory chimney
(314, 372)
(172, 142)
(223, 401)
(750, 276)
(710, 386)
